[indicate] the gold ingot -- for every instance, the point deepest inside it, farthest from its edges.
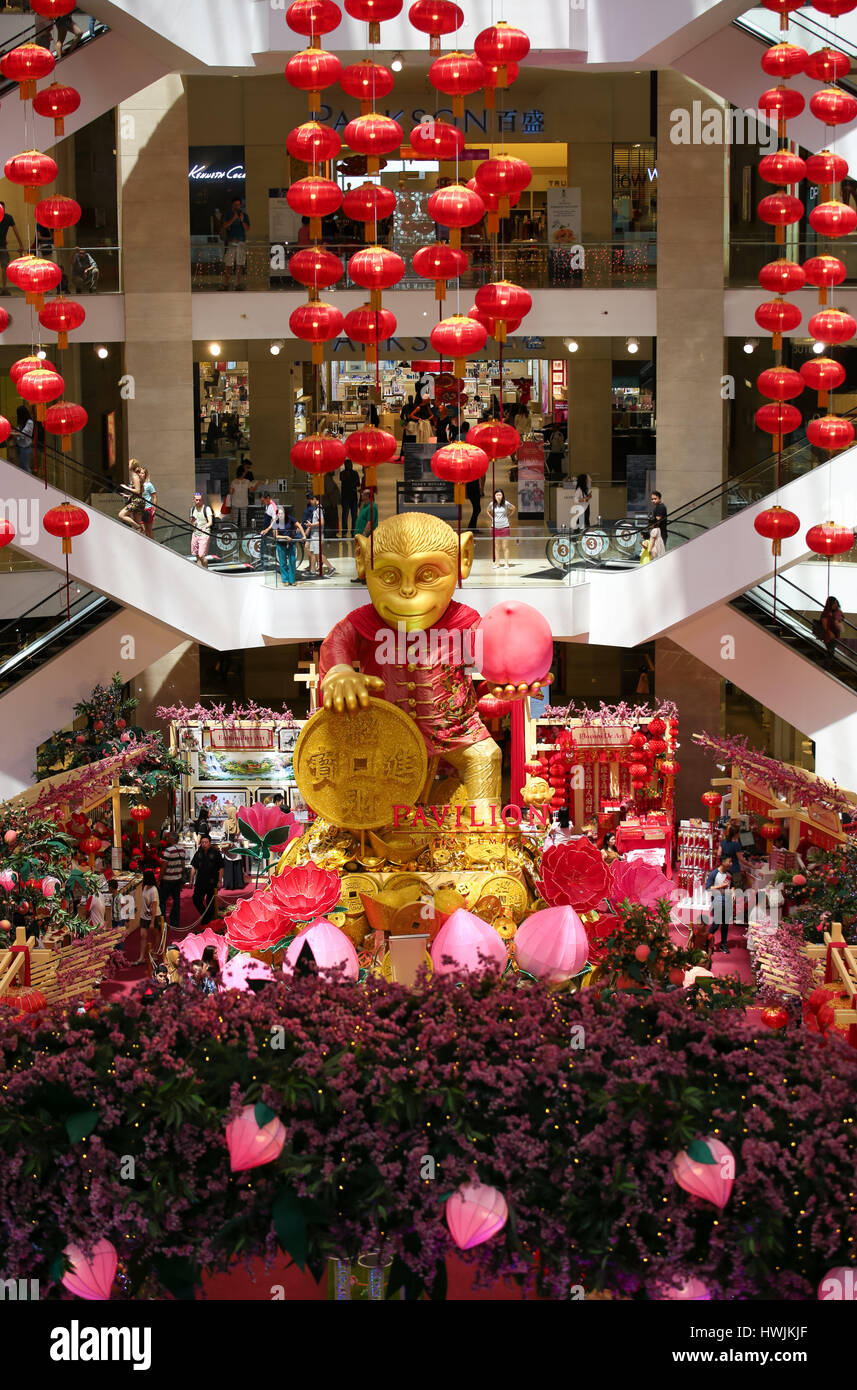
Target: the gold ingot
(355, 928)
(511, 892)
(354, 768)
(400, 846)
(397, 910)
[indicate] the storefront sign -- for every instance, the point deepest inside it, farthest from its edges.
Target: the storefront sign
(229, 738)
(530, 121)
(201, 172)
(467, 817)
(602, 735)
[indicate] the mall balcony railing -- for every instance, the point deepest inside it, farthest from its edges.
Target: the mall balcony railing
(747, 255)
(791, 615)
(79, 278)
(533, 264)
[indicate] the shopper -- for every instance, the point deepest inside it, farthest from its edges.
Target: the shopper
(719, 882)
(652, 547)
(732, 849)
(63, 26)
(582, 499)
(408, 416)
(7, 225)
(234, 232)
(313, 531)
(556, 452)
(150, 502)
(172, 878)
(330, 505)
(829, 624)
(122, 904)
(609, 852)
(132, 512)
(201, 825)
(84, 271)
(266, 535)
(500, 512)
(349, 492)
(24, 438)
(201, 520)
(473, 491)
(367, 517)
(206, 876)
(241, 494)
(287, 534)
(659, 515)
(149, 910)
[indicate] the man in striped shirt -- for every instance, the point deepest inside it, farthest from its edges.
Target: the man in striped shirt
(172, 878)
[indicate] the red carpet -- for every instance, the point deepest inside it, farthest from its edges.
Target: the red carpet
(125, 980)
(241, 1285)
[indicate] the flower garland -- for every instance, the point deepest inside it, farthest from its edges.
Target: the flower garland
(783, 971)
(218, 714)
(790, 783)
(91, 780)
(623, 713)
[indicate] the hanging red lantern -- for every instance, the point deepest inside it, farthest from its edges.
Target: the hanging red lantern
(493, 72)
(459, 464)
(780, 383)
(783, 7)
(318, 454)
(782, 277)
(781, 209)
(493, 326)
(502, 44)
(495, 439)
(833, 219)
(492, 206)
(712, 800)
(831, 432)
(28, 364)
(778, 419)
(826, 168)
(62, 316)
(31, 169)
(367, 82)
(834, 8)
(823, 374)
(55, 103)
(370, 326)
(27, 1000)
(373, 12)
(436, 139)
(40, 386)
(824, 272)
(435, 18)
(776, 525)
(783, 103)
(457, 75)
(314, 198)
(827, 65)
(832, 326)
(504, 302)
(369, 448)
(65, 419)
(639, 773)
(457, 336)
(27, 65)
(373, 135)
(65, 522)
(316, 323)
(14, 267)
(784, 60)
(58, 213)
(369, 204)
(504, 177)
(455, 207)
(35, 277)
(833, 106)
(53, 9)
(311, 71)
(7, 530)
(5, 431)
(140, 813)
(777, 316)
(315, 268)
(782, 167)
(313, 143)
(375, 268)
(313, 18)
(829, 538)
(670, 768)
(439, 262)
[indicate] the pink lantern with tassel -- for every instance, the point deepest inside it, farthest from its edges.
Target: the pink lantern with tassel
(468, 943)
(331, 950)
(706, 1169)
(475, 1213)
(552, 945)
(252, 1145)
(91, 1275)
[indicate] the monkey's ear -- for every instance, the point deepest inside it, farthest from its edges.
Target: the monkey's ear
(361, 555)
(466, 553)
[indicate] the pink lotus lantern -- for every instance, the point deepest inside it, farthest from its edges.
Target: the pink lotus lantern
(706, 1169)
(251, 1145)
(689, 1290)
(193, 945)
(242, 970)
(265, 826)
(257, 924)
(552, 945)
(8, 880)
(331, 950)
(306, 891)
(517, 644)
(465, 942)
(638, 882)
(475, 1213)
(91, 1275)
(839, 1285)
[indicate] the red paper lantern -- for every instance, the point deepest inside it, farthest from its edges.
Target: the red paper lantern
(316, 268)
(777, 317)
(53, 9)
(31, 169)
(502, 44)
(712, 800)
(40, 386)
(316, 323)
(832, 326)
(5, 431)
(435, 18)
(370, 326)
(670, 768)
(782, 277)
(778, 419)
(783, 103)
(829, 538)
(782, 7)
(373, 135)
(495, 439)
(503, 177)
(58, 212)
(65, 522)
(833, 218)
(459, 464)
(782, 209)
(492, 206)
(65, 419)
(367, 82)
(831, 432)
(439, 262)
(313, 17)
(27, 65)
(311, 71)
(833, 106)
(56, 102)
(7, 530)
(437, 139)
(455, 337)
(373, 12)
(28, 364)
(493, 74)
(376, 268)
(26, 1001)
(5, 320)
(776, 524)
(457, 75)
(35, 277)
(314, 198)
(824, 272)
(784, 60)
(370, 447)
(782, 167)
(318, 454)
(313, 143)
(826, 168)
(369, 204)
(62, 316)
(494, 327)
(823, 374)
(832, 7)
(827, 65)
(774, 1016)
(503, 301)
(780, 383)
(455, 206)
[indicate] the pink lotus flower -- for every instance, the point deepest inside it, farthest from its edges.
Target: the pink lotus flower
(266, 826)
(475, 1213)
(574, 875)
(195, 943)
(8, 880)
(306, 891)
(706, 1169)
(639, 883)
(552, 945)
(241, 969)
(250, 1144)
(257, 923)
(331, 950)
(468, 943)
(91, 1276)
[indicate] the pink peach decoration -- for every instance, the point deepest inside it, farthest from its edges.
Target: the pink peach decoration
(552, 945)
(475, 1213)
(706, 1169)
(251, 1145)
(331, 950)
(465, 942)
(91, 1275)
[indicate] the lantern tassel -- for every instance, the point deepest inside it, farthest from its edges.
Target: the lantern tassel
(459, 487)
(65, 543)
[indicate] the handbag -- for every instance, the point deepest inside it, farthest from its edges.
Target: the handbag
(226, 505)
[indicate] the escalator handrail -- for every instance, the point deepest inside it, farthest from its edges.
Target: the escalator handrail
(28, 35)
(55, 593)
(65, 625)
(799, 627)
(811, 600)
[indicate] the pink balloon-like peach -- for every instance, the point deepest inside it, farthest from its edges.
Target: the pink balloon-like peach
(467, 943)
(516, 644)
(250, 1144)
(475, 1213)
(91, 1275)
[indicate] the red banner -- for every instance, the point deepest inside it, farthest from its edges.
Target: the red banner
(255, 736)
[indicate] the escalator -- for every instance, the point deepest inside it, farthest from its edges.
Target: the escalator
(35, 637)
(792, 616)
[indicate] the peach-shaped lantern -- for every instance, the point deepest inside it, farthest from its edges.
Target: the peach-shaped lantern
(91, 1275)
(706, 1169)
(552, 945)
(330, 948)
(475, 1213)
(250, 1144)
(243, 971)
(465, 942)
(517, 644)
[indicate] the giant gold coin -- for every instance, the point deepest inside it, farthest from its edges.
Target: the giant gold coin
(352, 886)
(355, 768)
(510, 891)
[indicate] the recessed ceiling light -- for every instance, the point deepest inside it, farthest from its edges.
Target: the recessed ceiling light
(398, 62)
(214, 349)
(572, 345)
(818, 348)
(102, 352)
(632, 344)
(276, 347)
(749, 345)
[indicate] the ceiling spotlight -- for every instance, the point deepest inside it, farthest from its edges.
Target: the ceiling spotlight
(572, 345)
(277, 347)
(818, 348)
(102, 352)
(632, 344)
(398, 62)
(749, 345)
(214, 349)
